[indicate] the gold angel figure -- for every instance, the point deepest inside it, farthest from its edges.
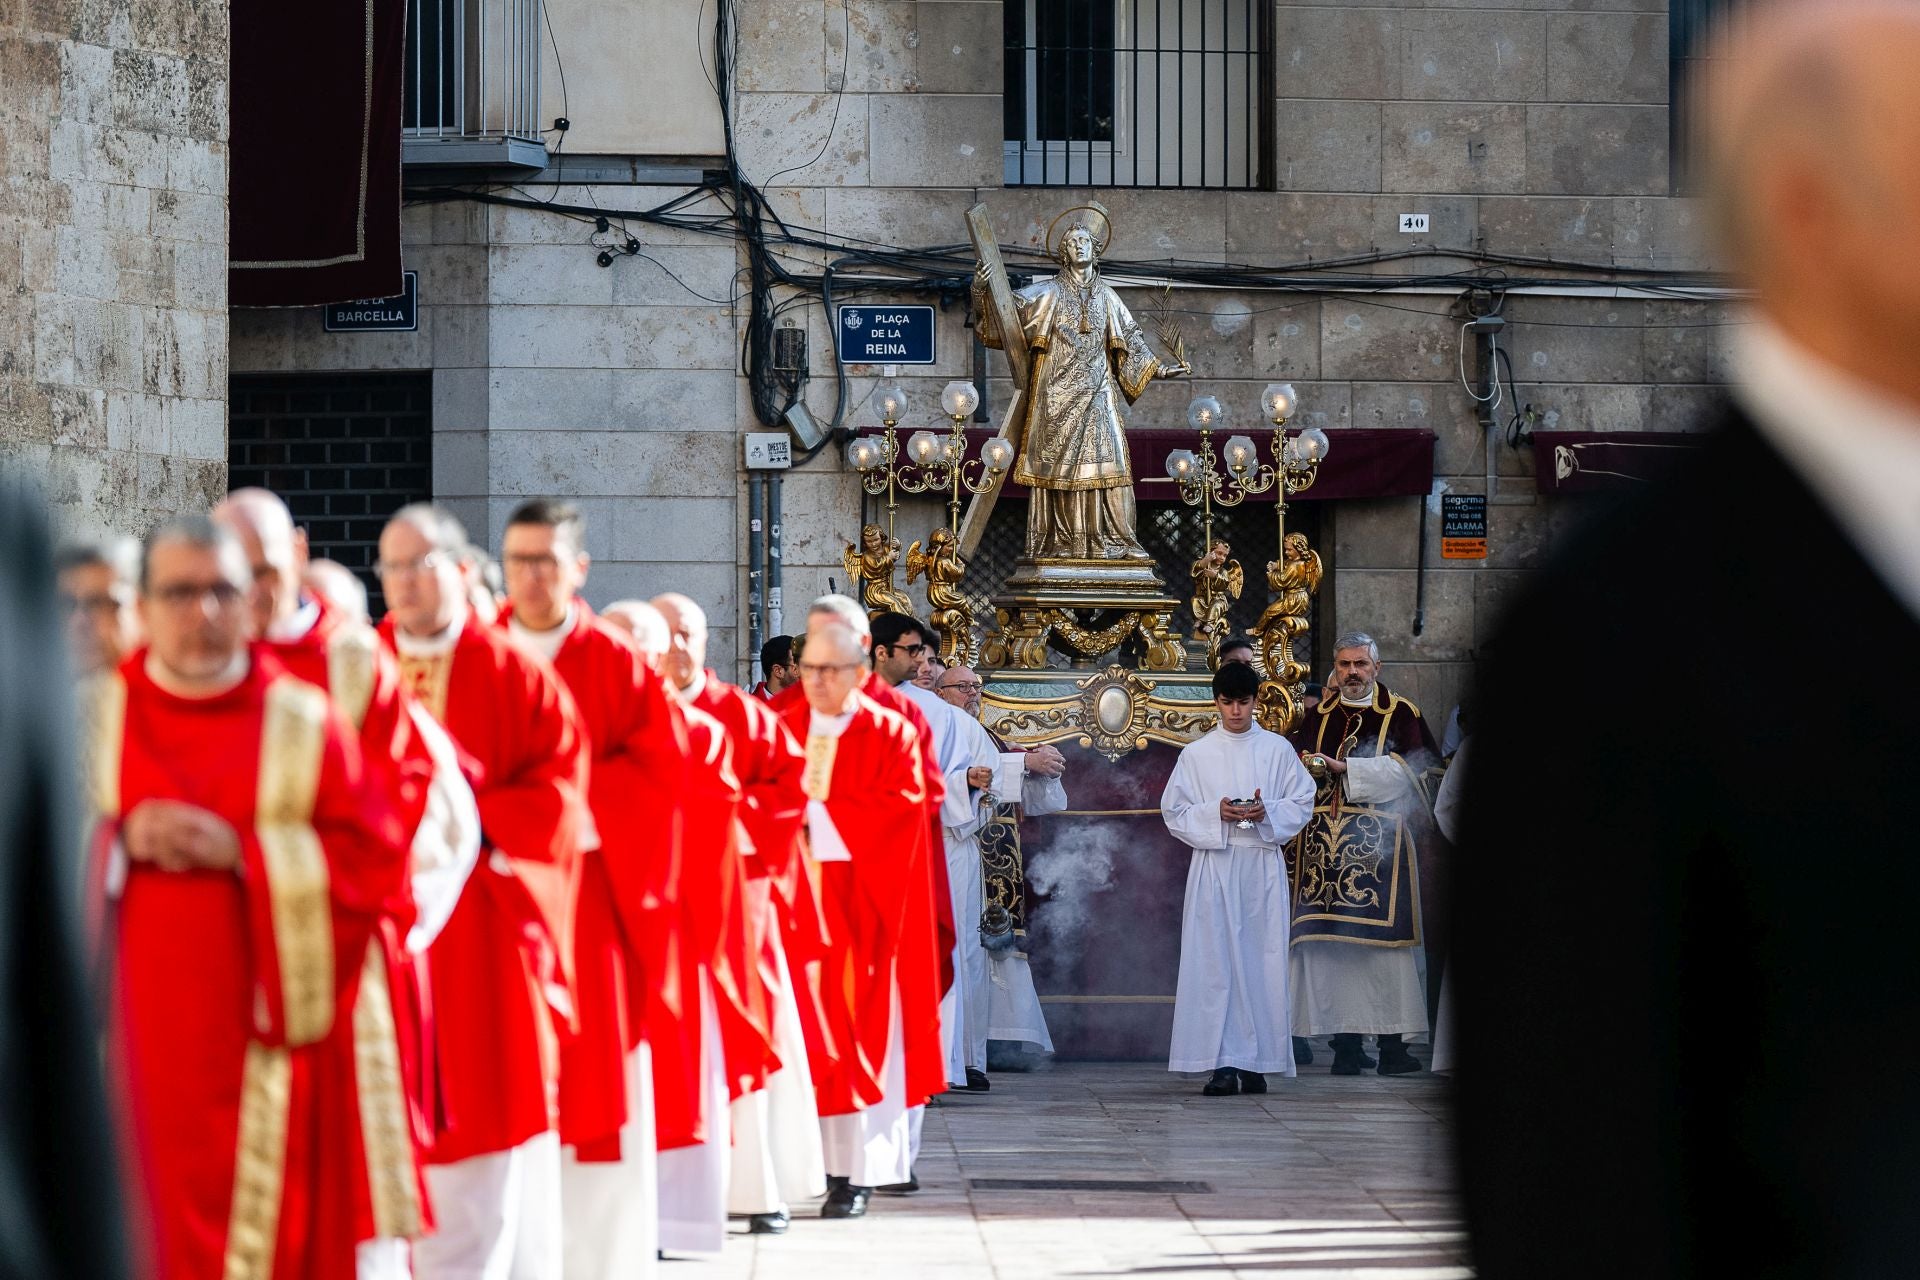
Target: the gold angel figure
(1293, 579)
(871, 566)
(952, 617)
(1217, 580)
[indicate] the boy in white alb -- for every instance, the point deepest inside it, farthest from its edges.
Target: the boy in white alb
(1236, 796)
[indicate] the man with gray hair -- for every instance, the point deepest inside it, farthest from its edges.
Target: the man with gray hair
(1355, 867)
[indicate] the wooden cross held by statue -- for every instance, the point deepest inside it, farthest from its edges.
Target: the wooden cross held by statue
(1007, 319)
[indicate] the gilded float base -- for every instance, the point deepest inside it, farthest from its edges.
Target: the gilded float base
(1085, 609)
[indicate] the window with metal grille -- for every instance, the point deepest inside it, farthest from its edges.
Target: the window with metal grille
(1691, 28)
(1138, 93)
(344, 450)
(1172, 533)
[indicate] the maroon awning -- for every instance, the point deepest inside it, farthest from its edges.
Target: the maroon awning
(1590, 461)
(314, 187)
(1362, 462)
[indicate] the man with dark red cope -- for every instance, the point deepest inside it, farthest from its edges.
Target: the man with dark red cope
(776, 1143)
(501, 967)
(867, 825)
(638, 742)
(721, 1047)
(380, 1067)
(250, 863)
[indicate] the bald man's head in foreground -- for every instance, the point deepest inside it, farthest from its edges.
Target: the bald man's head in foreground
(834, 666)
(1811, 113)
(643, 622)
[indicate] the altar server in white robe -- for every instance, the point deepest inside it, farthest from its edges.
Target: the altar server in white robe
(1002, 1003)
(1236, 796)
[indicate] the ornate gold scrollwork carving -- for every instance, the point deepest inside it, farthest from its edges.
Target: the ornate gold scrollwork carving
(1112, 711)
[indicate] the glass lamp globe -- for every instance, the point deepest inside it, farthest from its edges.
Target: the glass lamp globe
(997, 453)
(923, 447)
(1204, 413)
(891, 400)
(863, 455)
(959, 399)
(1181, 464)
(1240, 453)
(1279, 401)
(1314, 445)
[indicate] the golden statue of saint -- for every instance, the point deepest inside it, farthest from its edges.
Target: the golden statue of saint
(1086, 353)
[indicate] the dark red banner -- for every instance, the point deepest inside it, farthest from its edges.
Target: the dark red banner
(314, 186)
(1362, 462)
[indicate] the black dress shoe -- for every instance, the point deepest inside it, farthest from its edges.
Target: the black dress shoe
(1302, 1052)
(1394, 1058)
(1252, 1082)
(1225, 1083)
(1347, 1057)
(846, 1201)
(768, 1224)
(977, 1081)
(907, 1188)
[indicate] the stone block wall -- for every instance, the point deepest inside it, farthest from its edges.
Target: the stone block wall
(113, 267)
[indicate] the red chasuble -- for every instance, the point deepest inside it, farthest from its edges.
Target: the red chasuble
(780, 889)
(500, 968)
(872, 782)
(627, 925)
(377, 1071)
(229, 983)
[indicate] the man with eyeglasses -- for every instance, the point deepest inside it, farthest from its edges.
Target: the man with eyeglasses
(502, 966)
(776, 1128)
(96, 588)
(377, 1065)
(637, 740)
(866, 823)
(252, 861)
(1004, 1004)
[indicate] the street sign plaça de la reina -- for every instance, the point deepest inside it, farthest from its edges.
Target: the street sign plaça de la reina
(885, 334)
(1463, 526)
(398, 314)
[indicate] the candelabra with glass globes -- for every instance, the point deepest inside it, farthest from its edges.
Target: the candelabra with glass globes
(1206, 482)
(934, 463)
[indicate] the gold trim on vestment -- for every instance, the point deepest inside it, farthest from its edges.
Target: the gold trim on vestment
(427, 679)
(259, 1164)
(103, 705)
(350, 668)
(385, 1134)
(817, 780)
(292, 741)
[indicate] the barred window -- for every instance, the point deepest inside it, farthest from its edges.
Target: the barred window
(1138, 93)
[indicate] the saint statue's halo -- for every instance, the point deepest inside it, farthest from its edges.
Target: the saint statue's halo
(1095, 220)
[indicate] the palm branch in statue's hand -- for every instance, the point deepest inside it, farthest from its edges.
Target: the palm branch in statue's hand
(1166, 326)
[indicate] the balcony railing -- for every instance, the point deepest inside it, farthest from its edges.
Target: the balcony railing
(473, 84)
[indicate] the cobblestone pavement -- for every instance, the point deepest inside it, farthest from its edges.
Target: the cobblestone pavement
(1322, 1177)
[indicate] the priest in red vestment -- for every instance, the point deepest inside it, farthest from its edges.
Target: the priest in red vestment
(251, 862)
(866, 824)
(720, 1046)
(501, 969)
(776, 1129)
(627, 925)
(378, 1069)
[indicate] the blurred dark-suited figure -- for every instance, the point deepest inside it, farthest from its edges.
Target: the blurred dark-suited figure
(59, 1188)
(1699, 908)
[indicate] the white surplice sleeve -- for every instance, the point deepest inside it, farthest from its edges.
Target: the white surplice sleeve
(1040, 796)
(1377, 780)
(1189, 807)
(446, 845)
(1291, 803)
(1446, 804)
(962, 813)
